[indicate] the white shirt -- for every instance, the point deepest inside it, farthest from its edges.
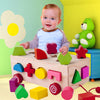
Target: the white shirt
(49, 37)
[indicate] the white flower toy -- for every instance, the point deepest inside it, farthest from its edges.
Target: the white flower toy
(12, 29)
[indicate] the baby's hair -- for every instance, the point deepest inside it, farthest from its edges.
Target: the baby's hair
(51, 6)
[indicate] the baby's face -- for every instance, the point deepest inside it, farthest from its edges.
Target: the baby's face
(50, 18)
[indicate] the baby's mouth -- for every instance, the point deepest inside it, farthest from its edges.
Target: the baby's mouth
(48, 25)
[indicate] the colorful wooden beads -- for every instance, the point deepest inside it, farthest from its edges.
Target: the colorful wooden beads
(40, 73)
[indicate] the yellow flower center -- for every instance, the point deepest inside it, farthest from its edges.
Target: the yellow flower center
(12, 29)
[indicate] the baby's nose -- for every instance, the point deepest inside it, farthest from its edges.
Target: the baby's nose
(48, 20)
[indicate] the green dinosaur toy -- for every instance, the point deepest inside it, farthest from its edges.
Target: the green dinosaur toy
(85, 38)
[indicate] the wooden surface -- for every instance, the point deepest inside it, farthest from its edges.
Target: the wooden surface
(51, 64)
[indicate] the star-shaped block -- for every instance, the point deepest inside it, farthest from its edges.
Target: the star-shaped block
(81, 52)
(30, 71)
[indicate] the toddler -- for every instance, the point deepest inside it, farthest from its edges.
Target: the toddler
(50, 18)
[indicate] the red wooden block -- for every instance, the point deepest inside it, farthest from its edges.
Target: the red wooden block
(86, 96)
(81, 52)
(40, 54)
(55, 88)
(30, 71)
(51, 48)
(19, 77)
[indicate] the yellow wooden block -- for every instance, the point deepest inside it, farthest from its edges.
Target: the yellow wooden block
(41, 73)
(38, 93)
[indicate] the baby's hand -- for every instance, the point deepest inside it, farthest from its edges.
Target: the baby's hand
(63, 50)
(25, 45)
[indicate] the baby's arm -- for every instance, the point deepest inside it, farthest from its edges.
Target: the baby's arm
(31, 44)
(34, 43)
(25, 45)
(65, 45)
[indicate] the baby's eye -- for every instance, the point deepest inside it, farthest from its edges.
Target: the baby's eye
(45, 17)
(52, 19)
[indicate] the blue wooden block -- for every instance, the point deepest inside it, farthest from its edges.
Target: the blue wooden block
(18, 67)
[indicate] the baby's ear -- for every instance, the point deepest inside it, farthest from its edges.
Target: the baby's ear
(41, 17)
(59, 21)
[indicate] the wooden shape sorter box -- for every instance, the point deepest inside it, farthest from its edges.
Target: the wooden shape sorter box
(51, 64)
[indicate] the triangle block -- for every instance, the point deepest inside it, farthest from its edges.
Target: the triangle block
(19, 51)
(76, 77)
(40, 54)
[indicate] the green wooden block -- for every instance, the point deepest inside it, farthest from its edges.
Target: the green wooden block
(19, 51)
(20, 92)
(76, 77)
(64, 60)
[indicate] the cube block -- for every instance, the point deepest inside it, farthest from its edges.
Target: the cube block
(38, 92)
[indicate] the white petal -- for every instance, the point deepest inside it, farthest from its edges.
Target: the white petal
(10, 44)
(19, 20)
(6, 16)
(20, 36)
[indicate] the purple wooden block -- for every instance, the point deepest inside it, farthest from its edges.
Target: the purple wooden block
(14, 84)
(84, 72)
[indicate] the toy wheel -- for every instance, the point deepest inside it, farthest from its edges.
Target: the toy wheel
(55, 88)
(19, 77)
(67, 93)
